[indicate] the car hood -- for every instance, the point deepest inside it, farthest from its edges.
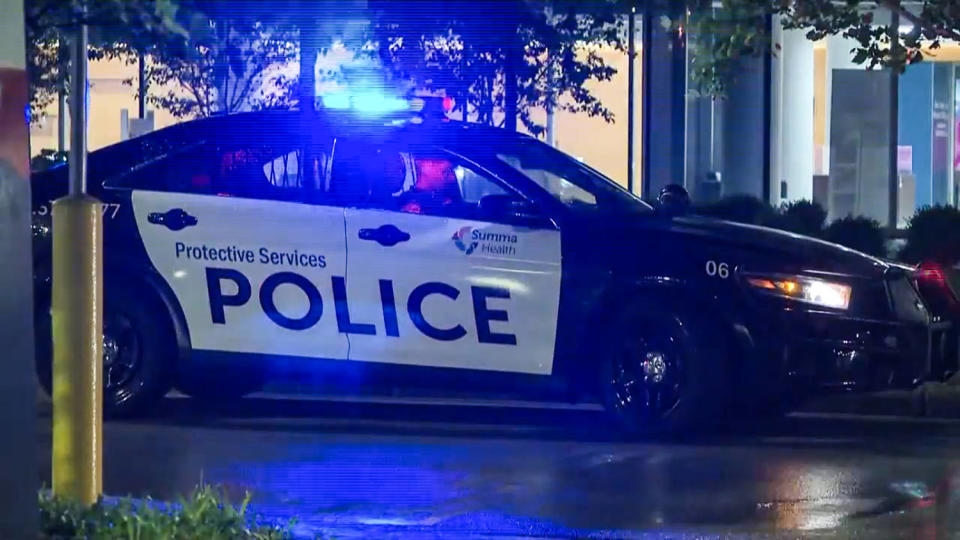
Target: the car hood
(794, 249)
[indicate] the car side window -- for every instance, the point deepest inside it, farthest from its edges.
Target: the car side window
(257, 170)
(553, 178)
(417, 182)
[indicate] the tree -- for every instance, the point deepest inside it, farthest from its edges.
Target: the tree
(312, 24)
(739, 28)
(235, 65)
(116, 26)
(500, 55)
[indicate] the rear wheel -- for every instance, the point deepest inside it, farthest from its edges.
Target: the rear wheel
(661, 372)
(139, 352)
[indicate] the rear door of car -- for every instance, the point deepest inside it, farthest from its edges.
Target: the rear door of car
(228, 227)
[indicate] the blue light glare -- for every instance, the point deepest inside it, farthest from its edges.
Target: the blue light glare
(371, 103)
(336, 101)
(378, 103)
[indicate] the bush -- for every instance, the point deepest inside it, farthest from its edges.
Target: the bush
(933, 235)
(859, 233)
(739, 208)
(205, 513)
(801, 217)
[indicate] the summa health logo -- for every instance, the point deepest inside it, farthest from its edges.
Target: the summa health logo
(463, 241)
(468, 240)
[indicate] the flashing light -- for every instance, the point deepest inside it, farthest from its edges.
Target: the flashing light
(931, 273)
(370, 102)
(377, 103)
(336, 101)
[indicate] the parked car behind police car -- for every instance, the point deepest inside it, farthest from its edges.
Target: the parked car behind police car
(380, 252)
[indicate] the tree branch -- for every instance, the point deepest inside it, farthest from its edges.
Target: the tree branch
(945, 31)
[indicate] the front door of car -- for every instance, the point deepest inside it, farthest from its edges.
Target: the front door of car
(251, 265)
(434, 280)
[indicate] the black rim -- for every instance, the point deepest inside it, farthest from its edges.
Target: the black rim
(647, 377)
(121, 356)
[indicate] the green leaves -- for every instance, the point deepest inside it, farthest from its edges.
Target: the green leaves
(464, 47)
(738, 28)
(933, 235)
(204, 513)
(117, 28)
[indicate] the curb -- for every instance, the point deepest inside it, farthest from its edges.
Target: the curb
(931, 400)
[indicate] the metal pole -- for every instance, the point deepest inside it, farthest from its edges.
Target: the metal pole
(767, 115)
(631, 78)
(142, 81)
(78, 112)
(894, 180)
(62, 121)
(646, 31)
(77, 312)
(64, 65)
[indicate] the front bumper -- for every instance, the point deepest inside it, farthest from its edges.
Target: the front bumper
(869, 355)
(830, 350)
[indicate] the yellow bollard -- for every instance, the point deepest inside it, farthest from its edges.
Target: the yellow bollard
(77, 309)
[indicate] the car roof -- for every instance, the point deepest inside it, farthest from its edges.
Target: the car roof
(271, 124)
(334, 123)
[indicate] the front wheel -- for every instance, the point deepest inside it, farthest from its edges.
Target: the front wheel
(139, 352)
(661, 371)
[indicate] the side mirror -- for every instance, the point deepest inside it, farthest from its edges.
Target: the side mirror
(508, 206)
(674, 200)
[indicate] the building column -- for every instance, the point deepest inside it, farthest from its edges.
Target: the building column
(664, 96)
(795, 112)
(743, 131)
(18, 387)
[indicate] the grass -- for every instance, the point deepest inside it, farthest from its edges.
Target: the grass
(204, 514)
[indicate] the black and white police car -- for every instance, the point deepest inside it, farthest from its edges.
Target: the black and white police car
(379, 252)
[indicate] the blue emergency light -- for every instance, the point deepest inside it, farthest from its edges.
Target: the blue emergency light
(372, 103)
(376, 103)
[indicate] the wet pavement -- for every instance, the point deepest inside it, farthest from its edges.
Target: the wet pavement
(409, 470)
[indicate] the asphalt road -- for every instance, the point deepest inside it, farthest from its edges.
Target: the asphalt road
(403, 470)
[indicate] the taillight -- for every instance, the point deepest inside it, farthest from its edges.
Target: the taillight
(931, 280)
(931, 273)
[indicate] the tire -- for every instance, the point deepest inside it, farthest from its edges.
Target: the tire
(139, 352)
(662, 371)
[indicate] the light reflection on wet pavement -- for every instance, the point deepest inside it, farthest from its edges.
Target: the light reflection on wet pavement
(400, 471)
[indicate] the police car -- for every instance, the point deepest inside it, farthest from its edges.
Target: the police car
(397, 251)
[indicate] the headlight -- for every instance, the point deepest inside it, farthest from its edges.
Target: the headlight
(805, 289)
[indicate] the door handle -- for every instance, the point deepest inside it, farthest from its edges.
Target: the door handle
(385, 235)
(175, 219)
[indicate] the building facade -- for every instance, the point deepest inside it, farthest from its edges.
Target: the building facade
(804, 123)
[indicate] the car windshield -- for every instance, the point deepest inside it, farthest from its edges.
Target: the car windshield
(570, 181)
